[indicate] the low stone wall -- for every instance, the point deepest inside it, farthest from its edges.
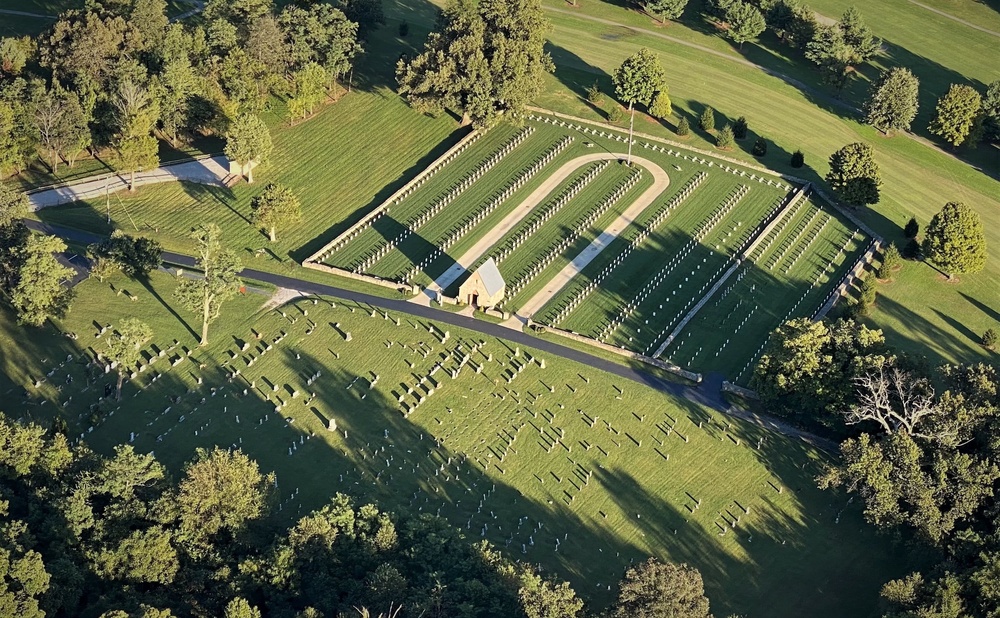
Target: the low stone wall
(662, 140)
(340, 272)
(318, 256)
(841, 290)
(654, 362)
(746, 393)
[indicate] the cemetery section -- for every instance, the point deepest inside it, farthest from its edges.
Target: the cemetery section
(539, 199)
(553, 462)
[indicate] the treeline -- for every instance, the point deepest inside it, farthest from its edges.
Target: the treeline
(920, 449)
(118, 74)
(84, 535)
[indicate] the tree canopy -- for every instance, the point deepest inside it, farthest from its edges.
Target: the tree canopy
(219, 280)
(956, 115)
(955, 239)
(892, 102)
(854, 175)
(486, 61)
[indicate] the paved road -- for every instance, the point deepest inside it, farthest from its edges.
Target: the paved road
(660, 183)
(209, 171)
(708, 393)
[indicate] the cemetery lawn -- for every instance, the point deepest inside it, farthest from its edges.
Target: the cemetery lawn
(605, 510)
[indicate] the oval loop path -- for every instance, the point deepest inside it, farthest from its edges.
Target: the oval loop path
(470, 257)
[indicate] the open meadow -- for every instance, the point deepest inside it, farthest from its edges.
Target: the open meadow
(553, 462)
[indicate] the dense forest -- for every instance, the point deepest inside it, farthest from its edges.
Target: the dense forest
(920, 448)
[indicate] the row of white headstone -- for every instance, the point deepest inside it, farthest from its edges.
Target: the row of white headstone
(450, 196)
(339, 243)
(525, 277)
(804, 247)
(791, 241)
(483, 212)
(777, 231)
(716, 217)
(546, 212)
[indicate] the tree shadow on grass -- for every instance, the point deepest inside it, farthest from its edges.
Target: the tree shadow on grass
(579, 76)
(989, 311)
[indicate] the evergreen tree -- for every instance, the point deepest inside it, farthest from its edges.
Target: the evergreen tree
(219, 281)
(706, 122)
(912, 228)
(854, 175)
(661, 107)
(891, 262)
(665, 9)
(683, 127)
(892, 100)
(990, 339)
(759, 147)
(746, 22)
(740, 128)
(798, 159)
(724, 140)
(955, 240)
(956, 114)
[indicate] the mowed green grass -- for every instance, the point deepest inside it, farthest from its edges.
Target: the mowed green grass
(802, 260)
(917, 179)
(604, 487)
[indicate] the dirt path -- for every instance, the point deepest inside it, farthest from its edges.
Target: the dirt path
(209, 171)
(660, 183)
(957, 19)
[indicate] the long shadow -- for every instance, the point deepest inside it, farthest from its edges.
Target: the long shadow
(920, 336)
(579, 75)
(169, 307)
(990, 311)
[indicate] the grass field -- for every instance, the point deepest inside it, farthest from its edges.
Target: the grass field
(523, 456)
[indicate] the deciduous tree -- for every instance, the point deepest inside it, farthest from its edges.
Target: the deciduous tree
(545, 599)
(655, 589)
(854, 175)
(486, 61)
(248, 142)
(124, 347)
(956, 114)
(955, 240)
(892, 100)
(136, 114)
(220, 281)
(637, 81)
(39, 293)
(221, 491)
(275, 207)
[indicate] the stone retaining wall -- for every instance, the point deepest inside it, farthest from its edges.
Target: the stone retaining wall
(654, 362)
(340, 272)
(841, 290)
(746, 393)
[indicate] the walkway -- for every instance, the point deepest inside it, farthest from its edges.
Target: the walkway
(462, 264)
(26, 14)
(209, 171)
(660, 183)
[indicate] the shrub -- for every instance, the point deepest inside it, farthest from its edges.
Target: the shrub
(759, 147)
(707, 120)
(594, 94)
(990, 339)
(912, 249)
(867, 293)
(661, 107)
(616, 113)
(912, 228)
(740, 128)
(798, 159)
(683, 127)
(724, 140)
(891, 261)
(404, 29)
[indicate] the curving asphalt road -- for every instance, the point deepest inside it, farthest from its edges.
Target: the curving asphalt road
(707, 393)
